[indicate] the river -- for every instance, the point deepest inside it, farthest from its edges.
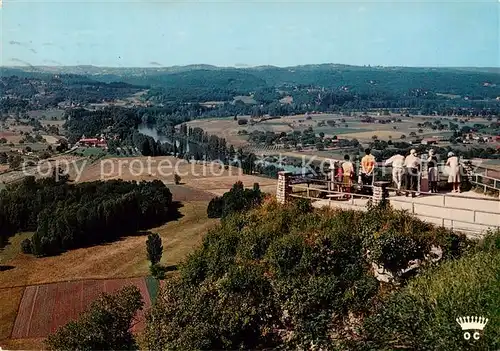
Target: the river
(153, 133)
(148, 130)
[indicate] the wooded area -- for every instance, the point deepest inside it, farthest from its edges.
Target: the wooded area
(67, 216)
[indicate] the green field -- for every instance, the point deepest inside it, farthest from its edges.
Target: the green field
(93, 151)
(47, 114)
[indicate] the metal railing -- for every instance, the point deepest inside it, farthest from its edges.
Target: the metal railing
(491, 183)
(307, 188)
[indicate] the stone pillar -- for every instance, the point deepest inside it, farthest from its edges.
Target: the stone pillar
(332, 177)
(380, 192)
(284, 187)
(424, 178)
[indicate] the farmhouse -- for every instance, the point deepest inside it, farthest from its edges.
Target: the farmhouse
(92, 142)
(429, 141)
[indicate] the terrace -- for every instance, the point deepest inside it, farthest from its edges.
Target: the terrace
(470, 213)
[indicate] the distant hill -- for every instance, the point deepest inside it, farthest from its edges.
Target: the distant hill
(195, 80)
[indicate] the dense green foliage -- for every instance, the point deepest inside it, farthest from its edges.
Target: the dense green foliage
(293, 277)
(67, 216)
(106, 325)
(422, 315)
(330, 88)
(238, 199)
(312, 88)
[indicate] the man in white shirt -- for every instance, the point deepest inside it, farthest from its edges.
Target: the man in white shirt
(412, 169)
(397, 162)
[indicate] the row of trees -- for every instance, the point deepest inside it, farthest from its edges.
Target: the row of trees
(305, 138)
(67, 216)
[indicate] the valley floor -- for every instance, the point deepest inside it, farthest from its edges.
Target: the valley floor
(125, 258)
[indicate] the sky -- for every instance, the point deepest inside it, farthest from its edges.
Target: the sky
(143, 33)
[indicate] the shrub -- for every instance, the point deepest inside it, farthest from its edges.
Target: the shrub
(26, 246)
(215, 206)
(158, 271)
(235, 200)
(177, 179)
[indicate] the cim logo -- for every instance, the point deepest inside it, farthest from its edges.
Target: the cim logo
(472, 323)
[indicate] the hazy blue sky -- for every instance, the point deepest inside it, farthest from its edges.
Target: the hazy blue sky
(229, 33)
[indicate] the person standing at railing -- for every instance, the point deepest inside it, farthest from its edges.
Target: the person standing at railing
(397, 161)
(339, 177)
(453, 172)
(367, 169)
(348, 174)
(412, 170)
(432, 171)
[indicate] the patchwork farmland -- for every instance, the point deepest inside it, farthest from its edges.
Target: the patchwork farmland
(44, 308)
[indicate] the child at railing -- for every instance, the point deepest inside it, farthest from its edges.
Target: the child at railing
(339, 177)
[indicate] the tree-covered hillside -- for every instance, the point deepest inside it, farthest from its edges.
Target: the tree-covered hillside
(21, 91)
(205, 91)
(392, 80)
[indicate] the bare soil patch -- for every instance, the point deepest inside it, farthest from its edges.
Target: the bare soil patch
(12, 137)
(23, 344)
(184, 193)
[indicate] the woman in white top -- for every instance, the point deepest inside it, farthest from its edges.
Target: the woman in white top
(453, 171)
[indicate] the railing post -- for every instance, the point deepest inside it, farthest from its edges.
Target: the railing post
(284, 189)
(380, 192)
